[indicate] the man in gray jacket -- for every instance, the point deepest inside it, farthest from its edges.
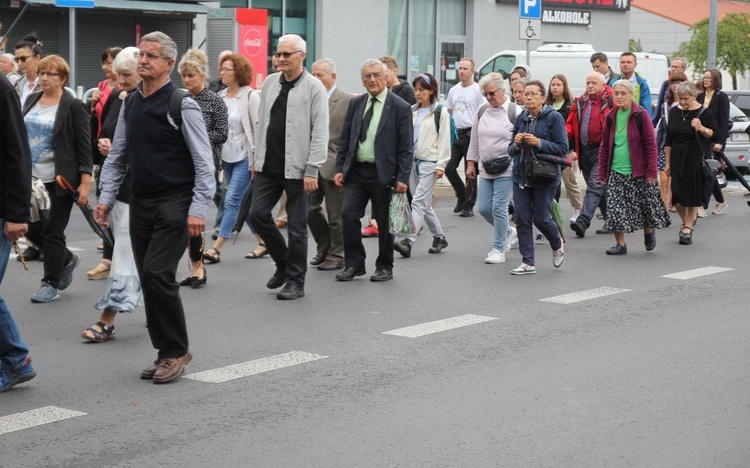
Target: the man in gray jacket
(291, 145)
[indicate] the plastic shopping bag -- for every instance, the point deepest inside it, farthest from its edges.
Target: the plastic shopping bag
(399, 216)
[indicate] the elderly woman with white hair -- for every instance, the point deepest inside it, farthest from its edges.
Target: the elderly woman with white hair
(123, 290)
(490, 137)
(627, 166)
(9, 67)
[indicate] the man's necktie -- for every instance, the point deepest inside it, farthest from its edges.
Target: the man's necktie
(585, 123)
(366, 120)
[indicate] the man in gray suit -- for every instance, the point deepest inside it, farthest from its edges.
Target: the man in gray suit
(329, 233)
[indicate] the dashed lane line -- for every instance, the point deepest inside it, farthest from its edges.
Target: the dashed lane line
(35, 417)
(258, 366)
(584, 295)
(415, 331)
(697, 273)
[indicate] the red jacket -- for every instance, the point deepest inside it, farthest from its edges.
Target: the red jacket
(641, 144)
(573, 123)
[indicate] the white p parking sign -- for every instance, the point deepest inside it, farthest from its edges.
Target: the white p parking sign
(530, 9)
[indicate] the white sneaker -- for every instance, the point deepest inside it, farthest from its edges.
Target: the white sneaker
(574, 218)
(720, 208)
(514, 243)
(510, 237)
(523, 269)
(702, 212)
(495, 257)
(558, 257)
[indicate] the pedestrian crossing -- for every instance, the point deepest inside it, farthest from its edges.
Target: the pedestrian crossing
(53, 414)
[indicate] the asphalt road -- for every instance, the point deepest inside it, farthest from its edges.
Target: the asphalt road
(654, 375)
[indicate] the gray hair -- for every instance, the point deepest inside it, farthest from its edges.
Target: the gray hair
(686, 87)
(126, 60)
(168, 46)
(599, 76)
(298, 42)
(625, 84)
(521, 81)
(328, 63)
(683, 60)
(12, 60)
(371, 62)
(493, 78)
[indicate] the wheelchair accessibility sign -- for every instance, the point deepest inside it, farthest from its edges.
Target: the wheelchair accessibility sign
(530, 29)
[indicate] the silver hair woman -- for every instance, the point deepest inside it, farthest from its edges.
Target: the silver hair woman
(689, 130)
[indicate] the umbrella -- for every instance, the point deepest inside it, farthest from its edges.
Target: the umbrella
(101, 231)
(244, 210)
(558, 218)
(734, 170)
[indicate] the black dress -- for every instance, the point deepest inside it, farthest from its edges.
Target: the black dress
(686, 157)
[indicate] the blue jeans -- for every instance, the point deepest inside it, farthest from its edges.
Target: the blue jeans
(534, 204)
(492, 203)
(238, 178)
(13, 350)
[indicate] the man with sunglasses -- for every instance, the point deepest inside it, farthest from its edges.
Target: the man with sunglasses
(28, 53)
(463, 101)
(291, 144)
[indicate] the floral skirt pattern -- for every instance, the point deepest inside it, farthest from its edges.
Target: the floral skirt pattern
(633, 204)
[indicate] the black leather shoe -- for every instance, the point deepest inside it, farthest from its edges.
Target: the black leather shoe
(604, 231)
(290, 292)
(196, 283)
(185, 282)
(618, 249)
(318, 259)
(460, 206)
(30, 253)
(277, 280)
(578, 228)
(349, 274)
(381, 275)
(466, 213)
(649, 239)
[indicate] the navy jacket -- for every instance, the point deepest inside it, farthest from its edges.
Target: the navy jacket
(394, 140)
(550, 128)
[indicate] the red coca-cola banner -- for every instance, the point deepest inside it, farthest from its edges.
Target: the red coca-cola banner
(253, 40)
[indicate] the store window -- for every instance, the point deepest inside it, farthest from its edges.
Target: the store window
(289, 17)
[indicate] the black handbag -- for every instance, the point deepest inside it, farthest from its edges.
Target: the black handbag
(496, 166)
(543, 171)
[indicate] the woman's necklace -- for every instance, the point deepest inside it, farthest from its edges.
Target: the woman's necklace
(620, 127)
(684, 115)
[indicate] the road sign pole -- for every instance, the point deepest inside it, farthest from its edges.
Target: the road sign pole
(528, 52)
(72, 39)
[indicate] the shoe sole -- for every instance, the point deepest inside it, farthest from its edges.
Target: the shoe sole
(381, 280)
(493, 262)
(558, 265)
(404, 253)
(521, 273)
(22, 379)
(359, 273)
(281, 297)
(98, 276)
(45, 301)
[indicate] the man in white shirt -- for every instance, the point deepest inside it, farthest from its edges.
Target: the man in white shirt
(462, 102)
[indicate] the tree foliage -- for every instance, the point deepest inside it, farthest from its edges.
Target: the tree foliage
(634, 45)
(732, 51)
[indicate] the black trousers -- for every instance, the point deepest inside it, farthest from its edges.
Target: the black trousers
(49, 235)
(158, 233)
(267, 190)
(361, 186)
(458, 152)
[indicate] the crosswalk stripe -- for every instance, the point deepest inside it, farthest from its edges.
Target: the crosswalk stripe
(437, 326)
(35, 417)
(258, 366)
(697, 273)
(584, 295)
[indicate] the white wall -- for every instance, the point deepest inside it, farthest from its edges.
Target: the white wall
(657, 34)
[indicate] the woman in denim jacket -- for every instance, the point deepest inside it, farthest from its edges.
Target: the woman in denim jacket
(539, 133)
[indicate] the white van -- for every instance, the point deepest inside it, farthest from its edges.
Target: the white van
(573, 61)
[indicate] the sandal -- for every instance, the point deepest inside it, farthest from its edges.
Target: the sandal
(107, 333)
(214, 257)
(256, 254)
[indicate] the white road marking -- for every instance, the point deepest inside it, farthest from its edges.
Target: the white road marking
(258, 366)
(35, 417)
(583, 295)
(697, 273)
(437, 326)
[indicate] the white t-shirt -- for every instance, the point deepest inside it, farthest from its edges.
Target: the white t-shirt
(236, 147)
(40, 122)
(463, 101)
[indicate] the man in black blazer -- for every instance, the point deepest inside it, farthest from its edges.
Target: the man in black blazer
(374, 160)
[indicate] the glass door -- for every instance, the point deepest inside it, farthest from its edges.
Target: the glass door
(450, 55)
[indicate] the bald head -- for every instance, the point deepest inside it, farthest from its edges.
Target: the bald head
(595, 84)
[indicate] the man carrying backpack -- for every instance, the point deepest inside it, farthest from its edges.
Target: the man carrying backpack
(463, 101)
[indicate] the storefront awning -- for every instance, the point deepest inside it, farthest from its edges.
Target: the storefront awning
(139, 5)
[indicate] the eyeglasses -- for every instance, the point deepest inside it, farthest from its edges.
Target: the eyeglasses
(370, 76)
(150, 56)
(46, 73)
(226, 70)
(22, 59)
(489, 93)
(706, 78)
(286, 55)
(621, 93)
(532, 94)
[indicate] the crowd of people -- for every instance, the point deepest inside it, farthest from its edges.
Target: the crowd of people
(164, 154)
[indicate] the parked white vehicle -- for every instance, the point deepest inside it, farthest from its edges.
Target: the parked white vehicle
(573, 61)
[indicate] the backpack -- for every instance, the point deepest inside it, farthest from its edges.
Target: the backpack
(454, 132)
(175, 105)
(512, 112)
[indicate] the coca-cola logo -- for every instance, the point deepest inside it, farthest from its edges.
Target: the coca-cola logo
(253, 43)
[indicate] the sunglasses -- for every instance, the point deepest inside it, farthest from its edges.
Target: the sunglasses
(489, 93)
(22, 59)
(286, 55)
